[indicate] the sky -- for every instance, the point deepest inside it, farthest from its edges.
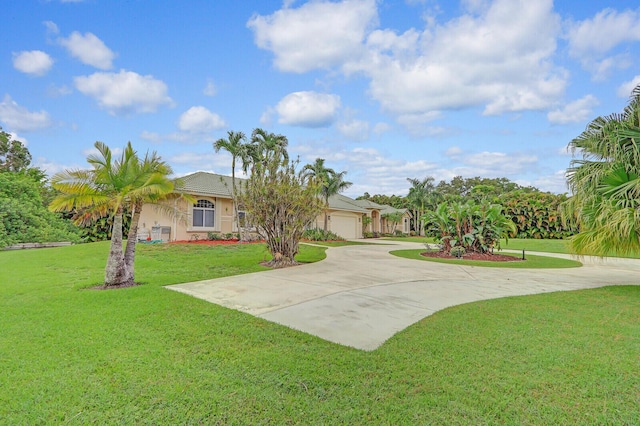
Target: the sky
(383, 89)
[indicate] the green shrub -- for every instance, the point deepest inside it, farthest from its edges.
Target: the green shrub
(457, 251)
(317, 234)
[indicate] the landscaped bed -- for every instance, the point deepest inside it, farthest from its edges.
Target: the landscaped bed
(532, 261)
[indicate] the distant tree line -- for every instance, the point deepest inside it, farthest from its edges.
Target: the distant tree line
(535, 213)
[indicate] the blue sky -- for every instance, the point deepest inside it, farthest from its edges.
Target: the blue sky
(384, 89)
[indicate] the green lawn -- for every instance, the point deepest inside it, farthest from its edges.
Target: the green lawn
(146, 355)
(547, 246)
(531, 262)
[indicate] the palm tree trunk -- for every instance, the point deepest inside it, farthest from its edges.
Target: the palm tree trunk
(132, 240)
(116, 270)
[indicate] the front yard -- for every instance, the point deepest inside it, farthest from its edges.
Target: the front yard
(146, 355)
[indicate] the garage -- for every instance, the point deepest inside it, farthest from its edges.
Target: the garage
(345, 225)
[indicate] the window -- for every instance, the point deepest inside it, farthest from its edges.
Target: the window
(244, 220)
(203, 214)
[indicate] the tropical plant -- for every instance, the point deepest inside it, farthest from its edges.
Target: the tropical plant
(422, 197)
(316, 234)
(605, 183)
(331, 182)
(107, 189)
(265, 146)
(537, 214)
(392, 220)
(282, 205)
(236, 146)
(475, 227)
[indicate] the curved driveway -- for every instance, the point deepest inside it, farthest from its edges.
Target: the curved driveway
(361, 295)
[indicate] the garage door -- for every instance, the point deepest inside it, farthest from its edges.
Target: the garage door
(344, 226)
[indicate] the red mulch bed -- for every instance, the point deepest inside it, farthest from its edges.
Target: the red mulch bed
(473, 256)
(214, 242)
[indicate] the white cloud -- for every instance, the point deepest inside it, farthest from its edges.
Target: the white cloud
(453, 152)
(625, 89)
(371, 170)
(208, 160)
(210, 89)
(604, 32)
(301, 40)
(592, 40)
(577, 111)
(52, 28)
(356, 130)
(381, 128)
(492, 164)
(556, 182)
(18, 118)
(34, 62)
(58, 91)
(308, 109)
(199, 119)
(124, 92)
(89, 49)
(498, 56)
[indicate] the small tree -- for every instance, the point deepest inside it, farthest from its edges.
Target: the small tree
(108, 188)
(281, 204)
(14, 156)
(392, 220)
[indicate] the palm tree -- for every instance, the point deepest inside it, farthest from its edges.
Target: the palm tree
(152, 178)
(421, 195)
(235, 144)
(605, 183)
(331, 182)
(107, 189)
(267, 145)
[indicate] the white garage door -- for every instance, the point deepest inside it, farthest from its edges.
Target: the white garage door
(344, 226)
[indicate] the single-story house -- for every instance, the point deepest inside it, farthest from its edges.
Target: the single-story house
(382, 217)
(212, 211)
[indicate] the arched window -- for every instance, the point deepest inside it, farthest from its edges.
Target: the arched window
(203, 214)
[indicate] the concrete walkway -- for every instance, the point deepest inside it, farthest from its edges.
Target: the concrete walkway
(361, 295)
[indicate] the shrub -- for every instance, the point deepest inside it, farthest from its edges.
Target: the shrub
(457, 251)
(317, 234)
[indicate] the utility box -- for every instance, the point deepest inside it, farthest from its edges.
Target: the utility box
(161, 233)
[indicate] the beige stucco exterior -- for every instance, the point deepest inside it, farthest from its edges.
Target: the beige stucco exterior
(176, 216)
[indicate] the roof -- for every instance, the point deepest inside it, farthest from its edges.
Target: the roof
(342, 202)
(390, 210)
(215, 185)
(367, 204)
(203, 183)
(384, 209)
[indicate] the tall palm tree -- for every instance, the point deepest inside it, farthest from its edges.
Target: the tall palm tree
(236, 145)
(267, 145)
(107, 189)
(421, 195)
(331, 182)
(605, 183)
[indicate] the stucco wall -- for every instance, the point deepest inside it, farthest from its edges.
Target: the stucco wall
(177, 214)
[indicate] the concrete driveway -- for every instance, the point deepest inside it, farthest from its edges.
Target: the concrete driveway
(361, 295)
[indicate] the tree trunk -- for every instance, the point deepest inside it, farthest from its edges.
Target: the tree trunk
(326, 216)
(132, 240)
(116, 270)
